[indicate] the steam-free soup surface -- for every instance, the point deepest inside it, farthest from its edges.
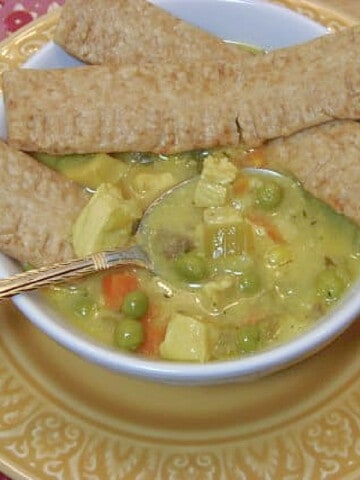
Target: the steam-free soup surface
(245, 260)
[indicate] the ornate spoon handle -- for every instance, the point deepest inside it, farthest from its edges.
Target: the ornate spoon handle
(44, 276)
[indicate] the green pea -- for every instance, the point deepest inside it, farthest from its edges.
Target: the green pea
(129, 334)
(329, 285)
(269, 195)
(191, 267)
(135, 304)
(249, 281)
(278, 256)
(248, 338)
(84, 306)
(80, 299)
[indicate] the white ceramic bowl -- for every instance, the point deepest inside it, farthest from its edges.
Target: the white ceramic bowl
(254, 22)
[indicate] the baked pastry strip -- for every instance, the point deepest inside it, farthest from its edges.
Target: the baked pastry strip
(153, 108)
(326, 159)
(134, 31)
(291, 89)
(173, 107)
(39, 207)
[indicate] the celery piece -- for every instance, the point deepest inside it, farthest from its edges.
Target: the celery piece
(225, 232)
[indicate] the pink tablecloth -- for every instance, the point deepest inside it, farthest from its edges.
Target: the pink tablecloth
(15, 14)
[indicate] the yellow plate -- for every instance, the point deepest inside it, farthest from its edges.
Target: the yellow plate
(62, 418)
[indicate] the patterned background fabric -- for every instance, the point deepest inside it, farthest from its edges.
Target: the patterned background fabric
(15, 14)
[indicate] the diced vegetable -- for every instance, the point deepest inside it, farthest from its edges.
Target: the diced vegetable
(186, 339)
(105, 223)
(84, 306)
(329, 285)
(225, 232)
(135, 304)
(129, 334)
(278, 256)
(227, 240)
(249, 281)
(191, 267)
(212, 188)
(115, 287)
(269, 195)
(154, 333)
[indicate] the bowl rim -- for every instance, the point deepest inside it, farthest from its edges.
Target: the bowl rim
(248, 367)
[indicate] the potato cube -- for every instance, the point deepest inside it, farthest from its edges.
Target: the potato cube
(186, 339)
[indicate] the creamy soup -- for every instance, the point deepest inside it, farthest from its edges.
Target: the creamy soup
(245, 259)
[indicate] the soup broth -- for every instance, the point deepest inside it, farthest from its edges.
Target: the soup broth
(245, 259)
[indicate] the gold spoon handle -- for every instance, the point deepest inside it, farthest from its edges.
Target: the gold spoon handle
(45, 276)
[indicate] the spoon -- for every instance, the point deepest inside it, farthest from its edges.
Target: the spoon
(135, 255)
